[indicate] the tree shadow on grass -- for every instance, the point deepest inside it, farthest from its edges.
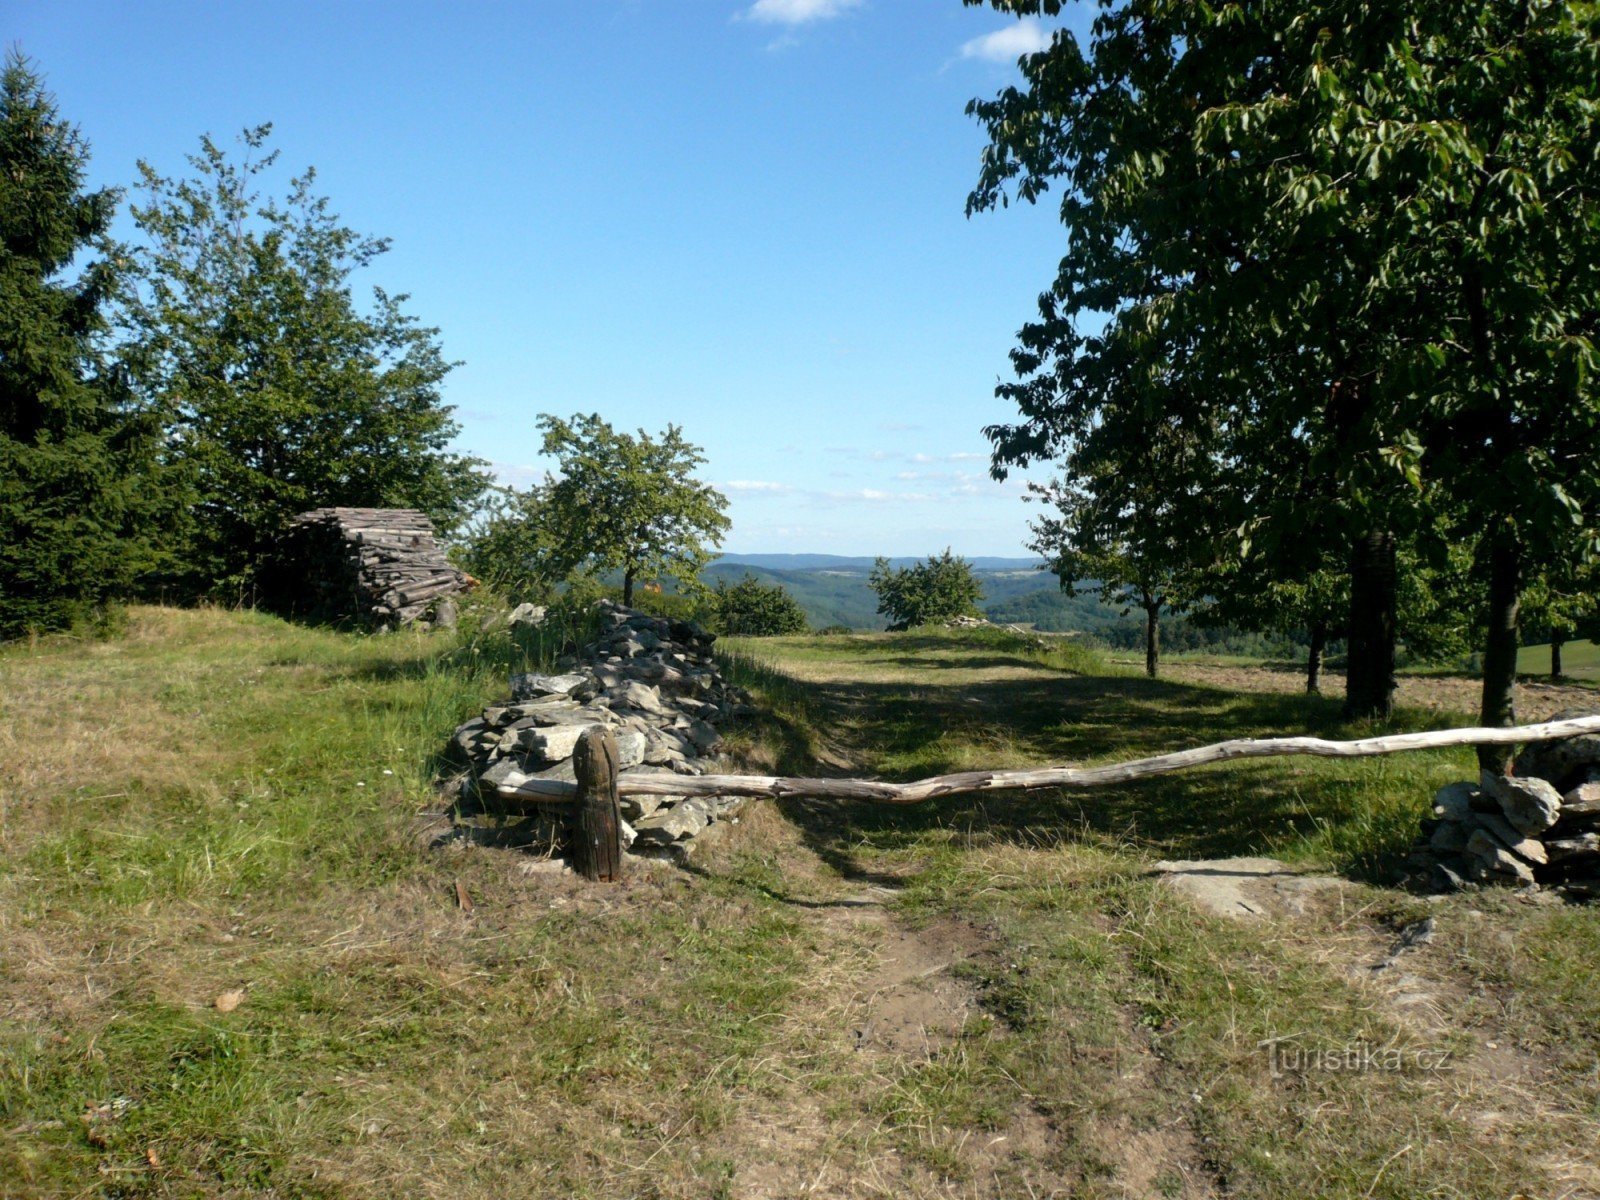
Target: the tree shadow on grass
(927, 728)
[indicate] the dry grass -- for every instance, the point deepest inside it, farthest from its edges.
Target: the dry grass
(987, 997)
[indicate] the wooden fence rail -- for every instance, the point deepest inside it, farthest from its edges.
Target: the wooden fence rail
(538, 792)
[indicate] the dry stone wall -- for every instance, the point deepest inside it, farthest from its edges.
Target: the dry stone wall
(1538, 826)
(655, 684)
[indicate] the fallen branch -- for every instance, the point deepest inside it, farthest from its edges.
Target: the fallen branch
(546, 791)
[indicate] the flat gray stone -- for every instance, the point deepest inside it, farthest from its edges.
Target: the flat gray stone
(630, 747)
(1531, 805)
(531, 615)
(1450, 837)
(553, 744)
(1496, 858)
(1582, 801)
(671, 825)
(1453, 801)
(640, 697)
(703, 734)
(1244, 888)
(1584, 845)
(526, 687)
(504, 714)
(1530, 849)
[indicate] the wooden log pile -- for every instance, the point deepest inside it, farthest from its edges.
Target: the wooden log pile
(380, 566)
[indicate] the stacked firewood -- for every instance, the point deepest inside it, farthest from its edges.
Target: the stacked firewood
(381, 566)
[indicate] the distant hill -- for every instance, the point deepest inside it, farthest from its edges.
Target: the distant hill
(812, 562)
(833, 590)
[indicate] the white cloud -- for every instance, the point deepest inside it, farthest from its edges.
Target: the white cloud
(798, 12)
(1007, 45)
(756, 485)
(515, 473)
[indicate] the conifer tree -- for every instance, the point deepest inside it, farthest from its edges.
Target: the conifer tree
(71, 454)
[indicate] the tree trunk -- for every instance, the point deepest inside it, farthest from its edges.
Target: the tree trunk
(1500, 648)
(1555, 654)
(1369, 687)
(627, 588)
(1152, 635)
(1319, 643)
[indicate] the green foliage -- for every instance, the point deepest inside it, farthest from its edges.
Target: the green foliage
(72, 452)
(695, 606)
(503, 546)
(753, 608)
(279, 392)
(939, 589)
(1351, 251)
(626, 503)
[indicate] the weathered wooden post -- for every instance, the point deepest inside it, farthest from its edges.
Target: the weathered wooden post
(597, 836)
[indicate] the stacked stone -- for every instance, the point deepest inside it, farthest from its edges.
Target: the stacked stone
(654, 683)
(1539, 825)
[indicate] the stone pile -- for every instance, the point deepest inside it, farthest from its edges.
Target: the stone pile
(380, 566)
(1540, 825)
(654, 683)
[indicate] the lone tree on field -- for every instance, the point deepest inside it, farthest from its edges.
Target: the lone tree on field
(627, 503)
(925, 593)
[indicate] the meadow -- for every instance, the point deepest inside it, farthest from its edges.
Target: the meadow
(240, 956)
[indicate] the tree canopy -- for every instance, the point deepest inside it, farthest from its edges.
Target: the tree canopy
(1356, 245)
(74, 455)
(279, 391)
(925, 593)
(756, 609)
(626, 502)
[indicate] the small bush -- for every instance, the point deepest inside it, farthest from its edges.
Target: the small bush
(927, 593)
(755, 609)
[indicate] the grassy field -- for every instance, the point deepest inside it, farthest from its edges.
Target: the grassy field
(1579, 660)
(233, 962)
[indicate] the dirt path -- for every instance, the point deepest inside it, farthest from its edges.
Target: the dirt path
(1114, 1114)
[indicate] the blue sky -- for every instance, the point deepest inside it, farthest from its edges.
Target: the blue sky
(741, 216)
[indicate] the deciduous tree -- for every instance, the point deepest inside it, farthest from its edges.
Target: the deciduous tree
(620, 502)
(925, 593)
(281, 392)
(1364, 231)
(756, 609)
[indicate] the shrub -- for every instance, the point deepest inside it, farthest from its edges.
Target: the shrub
(755, 609)
(926, 593)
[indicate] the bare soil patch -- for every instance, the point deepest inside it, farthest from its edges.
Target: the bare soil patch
(1456, 694)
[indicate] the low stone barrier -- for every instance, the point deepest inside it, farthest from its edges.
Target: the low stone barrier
(655, 685)
(1540, 825)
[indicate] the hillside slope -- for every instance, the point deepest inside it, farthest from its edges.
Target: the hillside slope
(836, 592)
